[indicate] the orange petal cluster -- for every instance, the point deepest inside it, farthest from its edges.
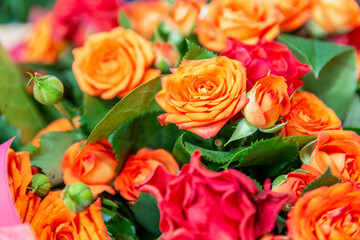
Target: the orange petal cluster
(138, 167)
(202, 95)
(247, 21)
(20, 176)
(339, 150)
(111, 64)
(54, 221)
(269, 100)
(94, 166)
(308, 116)
(336, 15)
(330, 213)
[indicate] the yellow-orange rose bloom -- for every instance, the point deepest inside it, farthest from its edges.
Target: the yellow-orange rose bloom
(94, 166)
(111, 64)
(336, 15)
(308, 116)
(146, 15)
(185, 14)
(296, 13)
(138, 167)
(54, 221)
(40, 47)
(339, 150)
(269, 100)
(202, 95)
(330, 213)
(247, 21)
(20, 176)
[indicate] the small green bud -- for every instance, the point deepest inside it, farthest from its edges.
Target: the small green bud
(48, 89)
(40, 185)
(77, 197)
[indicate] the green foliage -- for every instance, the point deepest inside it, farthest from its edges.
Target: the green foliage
(352, 119)
(15, 104)
(50, 155)
(301, 141)
(8, 132)
(327, 179)
(124, 20)
(306, 151)
(275, 128)
(138, 102)
(219, 157)
(144, 131)
(333, 77)
(269, 156)
(147, 213)
(195, 52)
(243, 129)
(94, 110)
(118, 221)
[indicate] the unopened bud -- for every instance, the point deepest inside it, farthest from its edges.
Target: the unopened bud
(77, 197)
(40, 185)
(48, 89)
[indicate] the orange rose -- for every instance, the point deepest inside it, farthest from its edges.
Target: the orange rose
(294, 185)
(247, 21)
(138, 167)
(165, 51)
(40, 47)
(336, 15)
(269, 100)
(54, 221)
(113, 63)
(330, 213)
(59, 125)
(146, 15)
(296, 13)
(94, 166)
(309, 115)
(202, 95)
(185, 14)
(20, 176)
(274, 237)
(339, 150)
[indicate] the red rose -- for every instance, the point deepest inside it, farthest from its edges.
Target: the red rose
(76, 19)
(265, 57)
(201, 204)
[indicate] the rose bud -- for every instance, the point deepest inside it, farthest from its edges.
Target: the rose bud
(40, 185)
(48, 89)
(166, 56)
(77, 197)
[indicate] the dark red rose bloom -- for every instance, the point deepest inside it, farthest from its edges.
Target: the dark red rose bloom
(76, 19)
(267, 57)
(200, 204)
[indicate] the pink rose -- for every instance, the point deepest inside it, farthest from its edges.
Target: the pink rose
(76, 19)
(201, 204)
(267, 57)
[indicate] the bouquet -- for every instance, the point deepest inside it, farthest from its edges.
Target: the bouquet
(186, 119)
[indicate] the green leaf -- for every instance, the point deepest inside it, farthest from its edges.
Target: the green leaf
(352, 118)
(274, 128)
(8, 132)
(144, 131)
(332, 65)
(278, 181)
(94, 110)
(210, 155)
(50, 155)
(195, 52)
(147, 213)
(179, 152)
(356, 130)
(243, 129)
(305, 152)
(124, 20)
(301, 140)
(327, 179)
(138, 102)
(270, 156)
(16, 105)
